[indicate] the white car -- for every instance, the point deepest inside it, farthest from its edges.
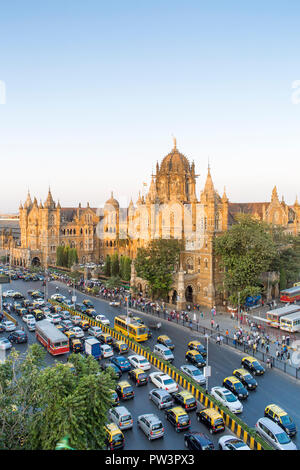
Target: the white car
(94, 331)
(8, 293)
(139, 362)
(114, 303)
(31, 324)
(102, 319)
(163, 381)
(5, 344)
(28, 317)
(106, 351)
(232, 443)
(9, 325)
(39, 302)
(78, 331)
(53, 318)
(194, 373)
(227, 399)
(76, 319)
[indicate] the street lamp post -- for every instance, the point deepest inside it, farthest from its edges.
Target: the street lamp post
(238, 313)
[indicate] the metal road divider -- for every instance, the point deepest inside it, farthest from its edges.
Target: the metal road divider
(10, 317)
(238, 429)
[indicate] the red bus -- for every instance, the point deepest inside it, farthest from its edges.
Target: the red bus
(53, 339)
(290, 295)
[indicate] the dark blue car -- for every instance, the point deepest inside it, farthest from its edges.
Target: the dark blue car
(121, 362)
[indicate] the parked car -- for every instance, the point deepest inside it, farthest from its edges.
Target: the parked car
(227, 399)
(194, 373)
(274, 434)
(232, 443)
(196, 440)
(5, 344)
(8, 325)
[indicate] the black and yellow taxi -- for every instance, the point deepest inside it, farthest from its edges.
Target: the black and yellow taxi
(125, 390)
(115, 398)
(21, 311)
(235, 386)
(70, 334)
(120, 346)
(75, 345)
(178, 417)
(252, 364)
(246, 378)
(38, 314)
(138, 376)
(281, 417)
(166, 341)
(88, 303)
(61, 328)
(212, 419)
(195, 358)
(114, 438)
(84, 325)
(186, 400)
(197, 346)
(105, 338)
(90, 312)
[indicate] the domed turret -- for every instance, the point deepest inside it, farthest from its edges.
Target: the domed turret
(112, 202)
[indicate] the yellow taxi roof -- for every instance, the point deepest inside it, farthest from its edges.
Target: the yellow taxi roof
(138, 371)
(178, 410)
(194, 342)
(113, 428)
(164, 337)
(232, 378)
(186, 394)
(241, 371)
(193, 353)
(212, 413)
(279, 411)
(124, 383)
(250, 358)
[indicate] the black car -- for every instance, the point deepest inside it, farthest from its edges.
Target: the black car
(80, 308)
(18, 336)
(116, 369)
(195, 440)
(246, 378)
(195, 359)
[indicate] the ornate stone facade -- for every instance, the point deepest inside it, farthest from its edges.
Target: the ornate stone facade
(170, 209)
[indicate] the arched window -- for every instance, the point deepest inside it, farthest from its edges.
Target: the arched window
(206, 263)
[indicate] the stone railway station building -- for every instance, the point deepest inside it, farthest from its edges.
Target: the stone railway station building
(170, 209)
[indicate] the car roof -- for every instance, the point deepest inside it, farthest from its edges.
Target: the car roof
(193, 352)
(178, 410)
(212, 412)
(232, 379)
(270, 424)
(279, 411)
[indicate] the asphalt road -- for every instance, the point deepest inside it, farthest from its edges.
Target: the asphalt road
(273, 387)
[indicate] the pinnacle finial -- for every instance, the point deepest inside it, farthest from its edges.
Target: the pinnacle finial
(175, 143)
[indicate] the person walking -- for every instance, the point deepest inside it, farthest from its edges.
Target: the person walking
(218, 341)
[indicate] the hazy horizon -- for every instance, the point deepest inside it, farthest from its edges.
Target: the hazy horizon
(95, 90)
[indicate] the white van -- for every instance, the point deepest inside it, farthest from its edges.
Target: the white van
(163, 352)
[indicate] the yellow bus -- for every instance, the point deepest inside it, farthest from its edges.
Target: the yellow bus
(131, 328)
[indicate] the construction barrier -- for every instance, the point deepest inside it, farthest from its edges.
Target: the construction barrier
(185, 383)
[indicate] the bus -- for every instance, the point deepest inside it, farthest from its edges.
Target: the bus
(297, 284)
(290, 323)
(131, 328)
(290, 295)
(273, 316)
(54, 340)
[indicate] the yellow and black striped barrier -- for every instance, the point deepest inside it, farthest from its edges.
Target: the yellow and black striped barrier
(202, 397)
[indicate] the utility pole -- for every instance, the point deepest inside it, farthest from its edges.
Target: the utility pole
(238, 314)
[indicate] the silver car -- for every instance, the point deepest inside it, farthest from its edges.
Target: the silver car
(274, 434)
(194, 373)
(161, 398)
(95, 331)
(5, 344)
(151, 425)
(121, 417)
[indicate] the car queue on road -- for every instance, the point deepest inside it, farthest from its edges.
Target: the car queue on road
(160, 381)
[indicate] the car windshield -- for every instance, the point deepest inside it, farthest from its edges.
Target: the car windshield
(142, 376)
(286, 419)
(189, 401)
(256, 365)
(219, 421)
(195, 372)
(157, 426)
(168, 353)
(166, 399)
(283, 438)
(142, 361)
(141, 331)
(117, 437)
(237, 443)
(127, 389)
(125, 418)
(168, 382)
(183, 418)
(198, 357)
(230, 397)
(238, 386)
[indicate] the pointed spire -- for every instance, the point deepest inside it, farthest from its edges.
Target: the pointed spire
(41, 204)
(275, 194)
(49, 203)
(296, 204)
(209, 186)
(28, 202)
(58, 205)
(139, 201)
(35, 204)
(175, 143)
(20, 206)
(224, 197)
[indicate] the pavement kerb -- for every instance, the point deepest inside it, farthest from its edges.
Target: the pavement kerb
(205, 399)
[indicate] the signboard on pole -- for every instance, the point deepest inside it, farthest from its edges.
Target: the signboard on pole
(207, 371)
(74, 298)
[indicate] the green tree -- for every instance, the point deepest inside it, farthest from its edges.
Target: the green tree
(127, 269)
(41, 405)
(157, 263)
(107, 266)
(246, 250)
(114, 282)
(115, 267)
(59, 255)
(287, 259)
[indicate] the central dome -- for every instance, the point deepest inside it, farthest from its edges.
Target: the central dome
(175, 162)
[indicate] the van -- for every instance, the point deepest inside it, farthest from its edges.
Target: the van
(212, 419)
(114, 438)
(121, 417)
(163, 352)
(274, 434)
(279, 416)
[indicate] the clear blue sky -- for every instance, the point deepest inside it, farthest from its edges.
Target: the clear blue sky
(95, 90)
